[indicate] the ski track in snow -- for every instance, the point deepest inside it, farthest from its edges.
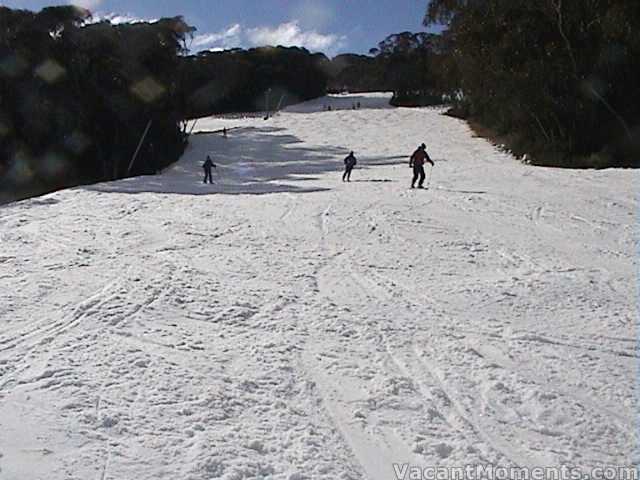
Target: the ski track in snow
(283, 324)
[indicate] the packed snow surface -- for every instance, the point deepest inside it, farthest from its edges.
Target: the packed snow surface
(283, 324)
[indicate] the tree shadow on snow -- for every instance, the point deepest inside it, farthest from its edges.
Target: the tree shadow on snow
(477, 192)
(374, 180)
(251, 161)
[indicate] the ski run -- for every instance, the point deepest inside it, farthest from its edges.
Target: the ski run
(282, 324)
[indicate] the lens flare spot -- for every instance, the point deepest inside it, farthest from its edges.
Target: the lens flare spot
(50, 71)
(148, 90)
(21, 171)
(53, 164)
(77, 142)
(13, 65)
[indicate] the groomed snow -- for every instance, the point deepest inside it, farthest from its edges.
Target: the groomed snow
(283, 324)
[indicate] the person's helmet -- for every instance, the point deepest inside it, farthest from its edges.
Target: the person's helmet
(423, 146)
(350, 153)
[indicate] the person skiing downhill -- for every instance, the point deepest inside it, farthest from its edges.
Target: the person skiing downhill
(417, 161)
(349, 162)
(207, 166)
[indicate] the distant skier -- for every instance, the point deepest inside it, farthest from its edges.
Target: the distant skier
(417, 161)
(349, 162)
(208, 165)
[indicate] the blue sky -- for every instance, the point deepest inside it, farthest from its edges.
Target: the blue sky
(331, 26)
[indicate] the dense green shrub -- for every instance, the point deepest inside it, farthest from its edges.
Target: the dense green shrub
(564, 75)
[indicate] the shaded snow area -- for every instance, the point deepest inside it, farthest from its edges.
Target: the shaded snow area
(282, 324)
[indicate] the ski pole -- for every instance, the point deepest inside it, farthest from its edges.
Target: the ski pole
(430, 175)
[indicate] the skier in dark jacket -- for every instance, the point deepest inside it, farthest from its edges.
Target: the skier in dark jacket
(208, 165)
(349, 162)
(417, 161)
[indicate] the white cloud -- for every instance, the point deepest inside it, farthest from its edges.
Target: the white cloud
(290, 34)
(227, 38)
(116, 18)
(287, 34)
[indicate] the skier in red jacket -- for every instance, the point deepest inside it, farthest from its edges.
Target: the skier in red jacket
(417, 161)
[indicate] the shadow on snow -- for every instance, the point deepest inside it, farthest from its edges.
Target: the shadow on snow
(251, 161)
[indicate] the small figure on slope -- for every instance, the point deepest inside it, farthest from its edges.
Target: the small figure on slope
(417, 161)
(208, 165)
(349, 162)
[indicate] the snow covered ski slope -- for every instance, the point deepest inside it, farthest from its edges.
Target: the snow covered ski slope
(283, 324)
